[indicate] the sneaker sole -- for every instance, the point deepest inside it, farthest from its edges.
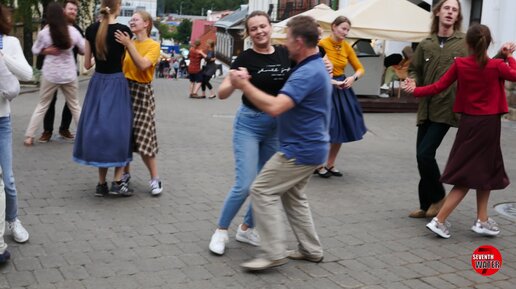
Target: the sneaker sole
(437, 233)
(484, 232)
(21, 241)
(157, 192)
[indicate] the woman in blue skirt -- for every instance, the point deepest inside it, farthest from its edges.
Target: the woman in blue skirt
(347, 122)
(105, 127)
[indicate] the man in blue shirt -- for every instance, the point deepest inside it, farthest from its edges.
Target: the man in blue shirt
(303, 110)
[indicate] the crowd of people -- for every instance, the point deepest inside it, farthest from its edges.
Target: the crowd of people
(297, 109)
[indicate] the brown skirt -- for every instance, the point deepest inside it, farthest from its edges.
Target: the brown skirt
(145, 140)
(476, 160)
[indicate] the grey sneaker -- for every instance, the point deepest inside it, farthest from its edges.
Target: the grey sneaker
(487, 228)
(438, 228)
(121, 189)
(20, 234)
(250, 236)
(155, 187)
(296, 255)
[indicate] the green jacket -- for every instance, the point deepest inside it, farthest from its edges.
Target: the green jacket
(429, 63)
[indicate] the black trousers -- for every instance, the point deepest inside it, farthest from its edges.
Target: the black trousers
(429, 137)
(66, 117)
(206, 83)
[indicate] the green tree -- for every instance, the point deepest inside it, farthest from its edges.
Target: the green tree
(164, 30)
(184, 29)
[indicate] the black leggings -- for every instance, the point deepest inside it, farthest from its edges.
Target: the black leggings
(206, 83)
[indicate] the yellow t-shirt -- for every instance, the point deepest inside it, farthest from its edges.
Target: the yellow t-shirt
(149, 49)
(339, 54)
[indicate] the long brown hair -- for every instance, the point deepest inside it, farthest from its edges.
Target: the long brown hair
(58, 26)
(5, 20)
(339, 20)
(107, 7)
(434, 28)
(478, 39)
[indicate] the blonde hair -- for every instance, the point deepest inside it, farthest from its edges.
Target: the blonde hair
(106, 8)
(147, 18)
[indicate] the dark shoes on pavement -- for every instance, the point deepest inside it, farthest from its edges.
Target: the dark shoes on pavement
(325, 172)
(4, 257)
(45, 137)
(66, 134)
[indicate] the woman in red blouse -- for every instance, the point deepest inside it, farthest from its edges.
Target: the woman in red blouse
(475, 161)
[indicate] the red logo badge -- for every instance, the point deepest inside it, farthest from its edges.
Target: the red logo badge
(486, 260)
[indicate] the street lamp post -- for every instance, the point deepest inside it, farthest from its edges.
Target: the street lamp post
(181, 8)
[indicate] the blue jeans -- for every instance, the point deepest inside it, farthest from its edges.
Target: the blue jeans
(6, 162)
(255, 140)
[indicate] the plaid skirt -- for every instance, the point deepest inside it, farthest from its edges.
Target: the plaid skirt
(145, 139)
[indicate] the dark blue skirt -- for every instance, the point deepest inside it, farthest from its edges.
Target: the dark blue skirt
(105, 128)
(347, 123)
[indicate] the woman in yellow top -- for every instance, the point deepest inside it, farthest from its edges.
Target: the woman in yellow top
(141, 57)
(347, 123)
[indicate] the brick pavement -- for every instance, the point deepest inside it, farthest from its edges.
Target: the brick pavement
(79, 241)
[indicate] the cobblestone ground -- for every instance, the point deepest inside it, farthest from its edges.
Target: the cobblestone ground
(79, 241)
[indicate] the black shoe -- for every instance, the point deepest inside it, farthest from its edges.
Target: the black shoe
(102, 190)
(120, 189)
(334, 172)
(5, 256)
(323, 172)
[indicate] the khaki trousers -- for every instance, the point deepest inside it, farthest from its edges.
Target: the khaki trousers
(280, 184)
(3, 245)
(46, 93)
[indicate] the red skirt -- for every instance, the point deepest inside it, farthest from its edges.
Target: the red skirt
(475, 159)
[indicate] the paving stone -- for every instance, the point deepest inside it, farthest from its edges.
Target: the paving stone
(80, 241)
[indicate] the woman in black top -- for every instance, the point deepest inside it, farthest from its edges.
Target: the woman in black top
(104, 132)
(254, 132)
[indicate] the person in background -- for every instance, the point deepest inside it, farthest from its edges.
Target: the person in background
(9, 89)
(255, 137)
(70, 10)
(397, 71)
(59, 70)
(475, 160)
(104, 132)
(194, 68)
(12, 54)
(209, 70)
(435, 113)
(141, 57)
(347, 122)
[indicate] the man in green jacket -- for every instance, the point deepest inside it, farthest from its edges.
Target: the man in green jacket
(433, 56)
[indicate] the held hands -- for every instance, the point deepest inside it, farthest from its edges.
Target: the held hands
(239, 77)
(507, 49)
(122, 37)
(408, 85)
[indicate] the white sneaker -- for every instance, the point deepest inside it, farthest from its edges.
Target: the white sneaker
(19, 233)
(218, 241)
(438, 228)
(155, 187)
(488, 228)
(384, 87)
(383, 95)
(250, 236)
